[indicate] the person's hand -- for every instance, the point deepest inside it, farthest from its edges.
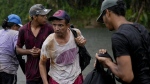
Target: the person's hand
(94, 63)
(102, 51)
(35, 52)
(103, 60)
(80, 41)
(102, 57)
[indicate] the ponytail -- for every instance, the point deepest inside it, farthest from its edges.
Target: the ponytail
(4, 25)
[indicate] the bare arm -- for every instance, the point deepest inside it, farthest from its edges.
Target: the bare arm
(42, 68)
(80, 40)
(22, 51)
(122, 69)
(35, 52)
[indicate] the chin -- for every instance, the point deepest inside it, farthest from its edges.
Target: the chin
(111, 29)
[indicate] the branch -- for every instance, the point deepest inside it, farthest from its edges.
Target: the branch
(140, 11)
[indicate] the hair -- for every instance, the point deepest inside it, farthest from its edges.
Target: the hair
(32, 16)
(66, 21)
(119, 9)
(7, 25)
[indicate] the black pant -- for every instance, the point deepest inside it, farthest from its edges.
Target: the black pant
(6, 78)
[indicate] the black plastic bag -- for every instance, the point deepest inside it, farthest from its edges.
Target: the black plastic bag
(99, 75)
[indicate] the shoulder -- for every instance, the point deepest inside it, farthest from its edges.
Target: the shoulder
(77, 31)
(47, 25)
(24, 27)
(124, 31)
(14, 31)
(49, 38)
(1, 30)
(125, 28)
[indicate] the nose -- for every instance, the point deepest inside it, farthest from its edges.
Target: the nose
(57, 27)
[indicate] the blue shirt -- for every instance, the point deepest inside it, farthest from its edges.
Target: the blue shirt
(8, 60)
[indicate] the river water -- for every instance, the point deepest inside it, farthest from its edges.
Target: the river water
(97, 38)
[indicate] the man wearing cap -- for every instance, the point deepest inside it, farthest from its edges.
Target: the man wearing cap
(131, 65)
(32, 35)
(62, 50)
(8, 60)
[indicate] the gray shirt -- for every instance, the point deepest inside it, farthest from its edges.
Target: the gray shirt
(8, 60)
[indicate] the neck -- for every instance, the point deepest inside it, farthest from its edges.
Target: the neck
(35, 25)
(119, 20)
(63, 39)
(64, 35)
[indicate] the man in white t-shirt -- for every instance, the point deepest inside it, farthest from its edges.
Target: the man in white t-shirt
(62, 50)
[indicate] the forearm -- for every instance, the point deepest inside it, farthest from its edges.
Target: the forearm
(119, 72)
(22, 51)
(43, 72)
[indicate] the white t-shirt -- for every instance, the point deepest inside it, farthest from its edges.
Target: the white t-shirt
(65, 67)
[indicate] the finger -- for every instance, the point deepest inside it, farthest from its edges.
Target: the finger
(100, 50)
(96, 55)
(103, 51)
(82, 42)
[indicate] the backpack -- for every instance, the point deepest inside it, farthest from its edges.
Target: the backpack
(145, 42)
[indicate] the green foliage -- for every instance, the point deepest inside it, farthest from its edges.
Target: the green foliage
(19, 7)
(80, 11)
(143, 19)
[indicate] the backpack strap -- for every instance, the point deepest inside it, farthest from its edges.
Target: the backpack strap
(144, 40)
(74, 32)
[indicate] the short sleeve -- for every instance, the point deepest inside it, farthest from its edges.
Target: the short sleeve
(20, 41)
(48, 46)
(120, 45)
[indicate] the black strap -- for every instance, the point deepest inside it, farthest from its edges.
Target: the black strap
(144, 41)
(74, 32)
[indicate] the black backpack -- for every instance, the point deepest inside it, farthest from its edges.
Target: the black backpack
(145, 41)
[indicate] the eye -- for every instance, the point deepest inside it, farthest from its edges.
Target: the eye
(60, 25)
(54, 25)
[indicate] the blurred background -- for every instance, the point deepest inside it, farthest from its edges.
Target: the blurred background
(83, 15)
(83, 12)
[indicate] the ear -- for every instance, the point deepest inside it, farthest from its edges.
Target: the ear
(34, 16)
(107, 12)
(68, 24)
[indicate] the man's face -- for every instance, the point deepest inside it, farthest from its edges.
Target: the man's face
(107, 19)
(41, 19)
(60, 27)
